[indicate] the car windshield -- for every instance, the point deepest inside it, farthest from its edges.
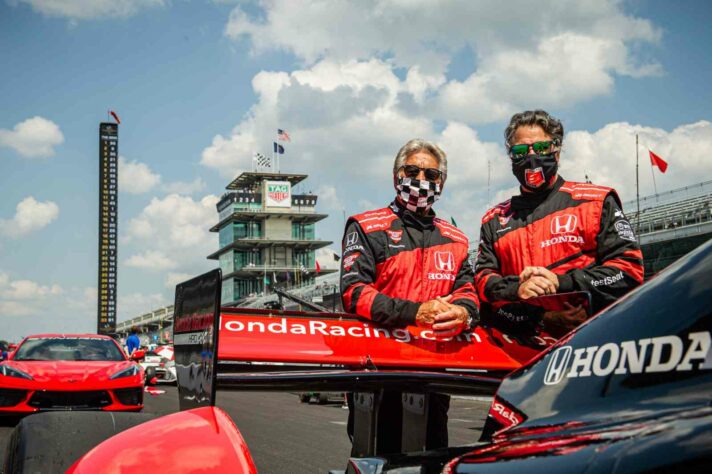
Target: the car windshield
(66, 348)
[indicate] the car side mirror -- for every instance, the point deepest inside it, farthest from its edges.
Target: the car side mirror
(138, 355)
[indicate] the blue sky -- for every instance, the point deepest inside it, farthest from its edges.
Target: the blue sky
(200, 86)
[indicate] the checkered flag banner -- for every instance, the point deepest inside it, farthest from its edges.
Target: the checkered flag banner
(418, 194)
(262, 160)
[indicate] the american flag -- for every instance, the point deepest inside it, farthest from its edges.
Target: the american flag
(282, 135)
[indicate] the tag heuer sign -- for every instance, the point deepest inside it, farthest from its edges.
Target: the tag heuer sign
(279, 194)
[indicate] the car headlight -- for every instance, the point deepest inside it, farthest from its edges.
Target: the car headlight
(9, 371)
(127, 372)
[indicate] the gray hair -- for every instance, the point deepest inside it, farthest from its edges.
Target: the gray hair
(551, 125)
(418, 144)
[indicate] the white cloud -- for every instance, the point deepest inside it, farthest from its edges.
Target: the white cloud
(30, 215)
(173, 233)
(513, 43)
(173, 279)
(136, 177)
(326, 259)
(180, 187)
(153, 260)
(27, 290)
(22, 298)
(608, 156)
(35, 137)
(328, 198)
(135, 304)
(90, 9)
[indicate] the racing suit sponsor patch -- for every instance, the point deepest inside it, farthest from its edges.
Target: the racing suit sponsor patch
(625, 231)
(395, 235)
(350, 259)
(609, 280)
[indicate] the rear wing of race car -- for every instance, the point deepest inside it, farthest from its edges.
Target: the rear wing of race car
(267, 350)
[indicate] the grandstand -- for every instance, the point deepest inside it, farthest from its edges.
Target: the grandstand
(672, 223)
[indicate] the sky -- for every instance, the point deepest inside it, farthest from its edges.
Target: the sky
(200, 86)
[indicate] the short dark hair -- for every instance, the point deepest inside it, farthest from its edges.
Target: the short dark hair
(134, 330)
(551, 125)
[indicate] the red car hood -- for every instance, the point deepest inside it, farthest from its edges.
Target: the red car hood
(70, 371)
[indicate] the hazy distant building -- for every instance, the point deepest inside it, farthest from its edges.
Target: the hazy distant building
(267, 235)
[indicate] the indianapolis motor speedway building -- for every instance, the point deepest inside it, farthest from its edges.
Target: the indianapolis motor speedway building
(266, 240)
(669, 225)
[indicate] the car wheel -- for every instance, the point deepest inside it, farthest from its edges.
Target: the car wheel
(322, 398)
(304, 397)
(150, 375)
(52, 442)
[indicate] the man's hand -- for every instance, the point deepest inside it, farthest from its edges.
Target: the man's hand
(430, 309)
(529, 272)
(450, 323)
(536, 286)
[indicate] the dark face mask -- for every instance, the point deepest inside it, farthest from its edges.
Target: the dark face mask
(535, 172)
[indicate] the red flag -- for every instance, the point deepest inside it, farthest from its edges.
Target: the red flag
(116, 117)
(318, 268)
(655, 160)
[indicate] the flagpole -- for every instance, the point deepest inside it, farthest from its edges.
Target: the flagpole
(637, 189)
(489, 174)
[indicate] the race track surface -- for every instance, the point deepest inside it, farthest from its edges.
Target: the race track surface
(285, 435)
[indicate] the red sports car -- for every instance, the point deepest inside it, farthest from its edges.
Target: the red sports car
(69, 372)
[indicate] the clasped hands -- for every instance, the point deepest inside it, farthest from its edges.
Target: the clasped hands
(537, 281)
(444, 318)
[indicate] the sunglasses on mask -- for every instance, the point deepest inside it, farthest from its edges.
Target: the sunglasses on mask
(412, 172)
(539, 148)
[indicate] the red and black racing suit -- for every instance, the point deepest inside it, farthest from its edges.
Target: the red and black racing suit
(394, 260)
(576, 230)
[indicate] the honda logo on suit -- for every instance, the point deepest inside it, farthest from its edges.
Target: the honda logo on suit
(564, 224)
(445, 261)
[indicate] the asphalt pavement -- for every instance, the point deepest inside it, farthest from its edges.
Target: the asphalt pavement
(286, 436)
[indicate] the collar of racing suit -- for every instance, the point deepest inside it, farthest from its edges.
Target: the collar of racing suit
(532, 200)
(412, 219)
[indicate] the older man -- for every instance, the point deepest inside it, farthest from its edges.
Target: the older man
(555, 236)
(402, 266)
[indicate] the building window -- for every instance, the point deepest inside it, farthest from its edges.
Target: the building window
(304, 258)
(279, 256)
(248, 230)
(227, 236)
(302, 231)
(245, 288)
(227, 263)
(250, 258)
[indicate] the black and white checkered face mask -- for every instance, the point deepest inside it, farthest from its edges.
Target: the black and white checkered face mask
(417, 195)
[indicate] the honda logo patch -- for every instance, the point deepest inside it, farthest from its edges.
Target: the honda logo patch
(564, 224)
(351, 238)
(445, 261)
(557, 365)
